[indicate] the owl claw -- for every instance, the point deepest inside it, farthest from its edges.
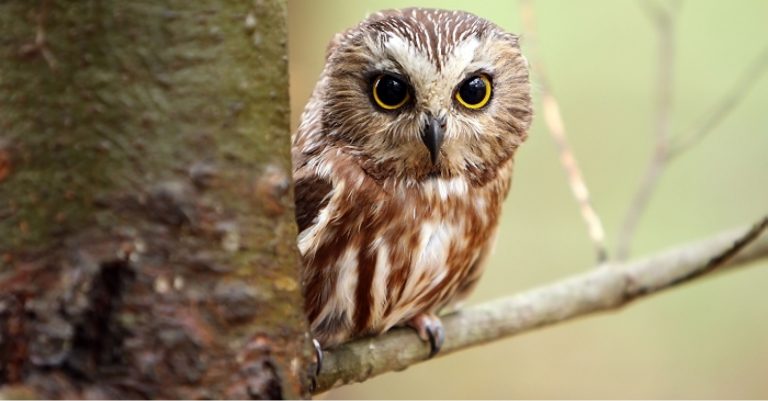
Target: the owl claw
(430, 328)
(318, 364)
(318, 356)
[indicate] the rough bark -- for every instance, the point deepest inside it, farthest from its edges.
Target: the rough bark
(147, 243)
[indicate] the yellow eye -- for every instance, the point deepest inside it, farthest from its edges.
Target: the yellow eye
(390, 93)
(475, 92)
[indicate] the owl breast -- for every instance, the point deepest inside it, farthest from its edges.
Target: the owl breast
(379, 253)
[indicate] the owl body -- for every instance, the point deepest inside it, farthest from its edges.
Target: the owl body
(399, 174)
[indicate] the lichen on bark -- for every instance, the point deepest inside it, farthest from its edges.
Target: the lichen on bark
(147, 242)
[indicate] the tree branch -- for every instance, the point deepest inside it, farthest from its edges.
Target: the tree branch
(556, 127)
(666, 148)
(605, 288)
(665, 21)
(722, 109)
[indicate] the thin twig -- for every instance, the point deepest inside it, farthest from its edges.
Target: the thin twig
(556, 126)
(721, 110)
(665, 24)
(666, 147)
(606, 288)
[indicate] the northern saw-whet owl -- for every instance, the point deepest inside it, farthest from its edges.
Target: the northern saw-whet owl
(401, 163)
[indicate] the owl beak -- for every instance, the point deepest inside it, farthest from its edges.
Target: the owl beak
(432, 136)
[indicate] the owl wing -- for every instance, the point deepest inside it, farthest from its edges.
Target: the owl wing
(311, 190)
(311, 194)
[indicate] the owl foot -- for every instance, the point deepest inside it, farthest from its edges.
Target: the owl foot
(318, 364)
(430, 328)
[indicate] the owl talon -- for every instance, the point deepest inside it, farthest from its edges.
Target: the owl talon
(436, 340)
(318, 356)
(430, 328)
(318, 364)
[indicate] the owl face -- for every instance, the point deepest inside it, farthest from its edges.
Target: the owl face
(419, 93)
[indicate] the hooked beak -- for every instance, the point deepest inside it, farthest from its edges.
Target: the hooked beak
(432, 135)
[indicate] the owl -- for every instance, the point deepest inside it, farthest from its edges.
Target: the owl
(401, 163)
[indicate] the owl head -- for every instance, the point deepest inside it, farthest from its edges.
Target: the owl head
(422, 93)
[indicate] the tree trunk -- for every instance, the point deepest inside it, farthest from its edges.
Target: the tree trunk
(147, 239)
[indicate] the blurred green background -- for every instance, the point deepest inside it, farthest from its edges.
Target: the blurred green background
(705, 340)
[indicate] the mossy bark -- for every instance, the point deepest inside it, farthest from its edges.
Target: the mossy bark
(147, 242)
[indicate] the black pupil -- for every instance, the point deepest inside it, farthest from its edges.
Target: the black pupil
(391, 91)
(473, 91)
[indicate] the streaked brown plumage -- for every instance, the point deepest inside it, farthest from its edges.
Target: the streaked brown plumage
(397, 209)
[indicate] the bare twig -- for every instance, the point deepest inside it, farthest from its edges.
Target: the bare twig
(721, 110)
(665, 24)
(606, 288)
(666, 147)
(554, 121)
